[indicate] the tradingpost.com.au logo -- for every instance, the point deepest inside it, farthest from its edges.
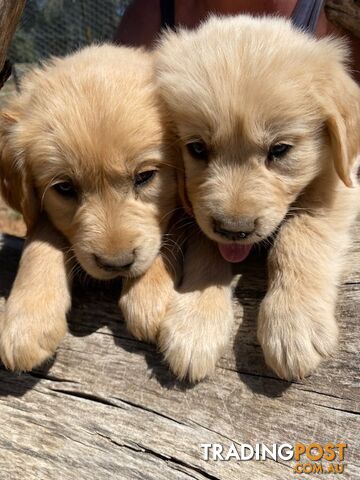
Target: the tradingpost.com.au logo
(307, 458)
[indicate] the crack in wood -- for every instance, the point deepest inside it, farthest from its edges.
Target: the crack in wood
(150, 410)
(177, 461)
(351, 412)
(168, 459)
(318, 392)
(45, 376)
(86, 396)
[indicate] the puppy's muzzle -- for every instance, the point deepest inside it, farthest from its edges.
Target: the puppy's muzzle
(239, 229)
(119, 263)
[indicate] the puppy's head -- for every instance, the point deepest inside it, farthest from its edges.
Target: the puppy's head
(262, 110)
(86, 142)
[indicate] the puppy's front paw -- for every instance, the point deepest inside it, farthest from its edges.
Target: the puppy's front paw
(295, 338)
(194, 335)
(143, 313)
(144, 300)
(28, 339)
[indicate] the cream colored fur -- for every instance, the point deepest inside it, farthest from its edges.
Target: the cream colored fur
(199, 319)
(35, 318)
(94, 119)
(240, 85)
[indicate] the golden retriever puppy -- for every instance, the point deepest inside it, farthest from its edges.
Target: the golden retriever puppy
(86, 157)
(268, 120)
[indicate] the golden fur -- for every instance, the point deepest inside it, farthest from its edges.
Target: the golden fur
(199, 318)
(91, 120)
(239, 86)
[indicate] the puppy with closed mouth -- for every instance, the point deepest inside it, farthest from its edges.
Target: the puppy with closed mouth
(86, 157)
(268, 119)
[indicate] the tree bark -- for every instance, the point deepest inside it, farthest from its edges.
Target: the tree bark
(10, 13)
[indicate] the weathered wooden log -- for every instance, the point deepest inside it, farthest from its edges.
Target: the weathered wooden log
(344, 14)
(10, 13)
(108, 408)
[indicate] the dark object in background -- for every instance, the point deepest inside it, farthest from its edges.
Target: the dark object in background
(344, 14)
(141, 22)
(167, 12)
(306, 14)
(5, 72)
(10, 13)
(52, 27)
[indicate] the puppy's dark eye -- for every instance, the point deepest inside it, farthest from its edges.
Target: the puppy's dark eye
(278, 151)
(144, 177)
(198, 150)
(65, 189)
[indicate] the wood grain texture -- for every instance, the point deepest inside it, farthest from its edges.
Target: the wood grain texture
(10, 13)
(107, 407)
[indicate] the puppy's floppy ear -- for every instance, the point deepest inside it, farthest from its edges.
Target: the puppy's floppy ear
(16, 186)
(342, 109)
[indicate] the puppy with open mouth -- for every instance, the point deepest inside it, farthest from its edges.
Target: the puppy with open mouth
(86, 157)
(268, 119)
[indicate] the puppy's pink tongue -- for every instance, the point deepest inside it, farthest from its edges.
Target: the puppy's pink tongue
(233, 252)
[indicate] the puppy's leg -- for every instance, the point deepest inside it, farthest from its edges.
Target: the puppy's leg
(198, 323)
(144, 300)
(34, 321)
(296, 325)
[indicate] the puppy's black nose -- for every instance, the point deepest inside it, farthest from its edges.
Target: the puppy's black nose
(239, 229)
(118, 263)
